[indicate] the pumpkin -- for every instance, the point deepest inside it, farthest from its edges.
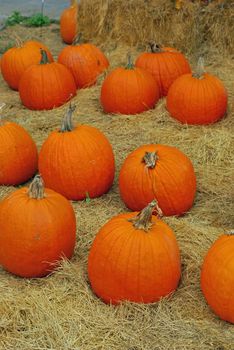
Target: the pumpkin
(17, 59)
(77, 161)
(165, 63)
(39, 231)
(217, 282)
(18, 154)
(85, 61)
(46, 85)
(68, 22)
(198, 98)
(161, 172)
(134, 257)
(129, 90)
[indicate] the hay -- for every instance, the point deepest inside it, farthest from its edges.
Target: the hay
(60, 312)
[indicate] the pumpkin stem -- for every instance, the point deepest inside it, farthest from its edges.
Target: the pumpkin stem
(230, 232)
(150, 159)
(155, 48)
(67, 124)
(200, 70)
(44, 57)
(77, 39)
(143, 219)
(36, 189)
(2, 105)
(130, 64)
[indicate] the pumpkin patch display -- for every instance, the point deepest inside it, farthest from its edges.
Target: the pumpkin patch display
(166, 64)
(161, 172)
(39, 231)
(18, 154)
(134, 257)
(46, 85)
(17, 59)
(77, 161)
(217, 281)
(68, 22)
(129, 90)
(198, 98)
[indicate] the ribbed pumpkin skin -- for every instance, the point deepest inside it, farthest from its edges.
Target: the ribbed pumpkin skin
(68, 23)
(36, 234)
(18, 154)
(17, 59)
(217, 277)
(197, 101)
(172, 182)
(129, 91)
(126, 263)
(166, 67)
(84, 62)
(78, 163)
(45, 86)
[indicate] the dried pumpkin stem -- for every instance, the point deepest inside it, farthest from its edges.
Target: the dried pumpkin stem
(67, 124)
(2, 105)
(130, 64)
(155, 48)
(150, 159)
(36, 189)
(200, 70)
(230, 232)
(143, 220)
(44, 57)
(77, 39)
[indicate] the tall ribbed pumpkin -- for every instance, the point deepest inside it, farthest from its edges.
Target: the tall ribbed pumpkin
(129, 90)
(17, 59)
(39, 231)
(161, 172)
(46, 85)
(68, 22)
(165, 63)
(77, 161)
(134, 257)
(217, 277)
(198, 98)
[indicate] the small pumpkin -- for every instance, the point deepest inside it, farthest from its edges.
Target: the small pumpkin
(217, 282)
(161, 172)
(18, 154)
(129, 90)
(165, 64)
(46, 85)
(85, 61)
(134, 257)
(68, 22)
(77, 161)
(17, 59)
(39, 231)
(198, 98)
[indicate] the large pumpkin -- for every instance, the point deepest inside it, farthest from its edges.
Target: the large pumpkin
(46, 85)
(17, 59)
(134, 257)
(18, 154)
(198, 98)
(85, 61)
(129, 90)
(68, 22)
(39, 231)
(217, 277)
(77, 161)
(165, 64)
(161, 172)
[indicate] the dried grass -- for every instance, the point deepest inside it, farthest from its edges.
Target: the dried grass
(60, 312)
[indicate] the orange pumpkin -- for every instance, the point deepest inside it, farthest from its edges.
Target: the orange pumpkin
(39, 231)
(134, 257)
(217, 282)
(17, 59)
(68, 22)
(85, 61)
(129, 90)
(18, 155)
(46, 85)
(198, 98)
(165, 64)
(161, 172)
(77, 162)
